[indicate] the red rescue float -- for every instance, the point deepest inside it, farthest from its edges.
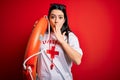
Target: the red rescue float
(33, 48)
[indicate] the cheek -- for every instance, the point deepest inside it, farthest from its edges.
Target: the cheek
(51, 22)
(62, 22)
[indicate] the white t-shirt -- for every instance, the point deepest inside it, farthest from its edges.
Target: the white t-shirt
(62, 63)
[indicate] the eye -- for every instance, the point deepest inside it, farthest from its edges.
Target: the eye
(60, 17)
(52, 17)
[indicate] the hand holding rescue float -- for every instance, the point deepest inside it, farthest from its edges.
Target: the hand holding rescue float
(32, 49)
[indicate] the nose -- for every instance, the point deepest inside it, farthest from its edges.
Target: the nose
(56, 20)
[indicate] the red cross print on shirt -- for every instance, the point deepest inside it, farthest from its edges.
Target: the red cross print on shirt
(52, 52)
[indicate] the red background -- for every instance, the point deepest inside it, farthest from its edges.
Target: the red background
(95, 22)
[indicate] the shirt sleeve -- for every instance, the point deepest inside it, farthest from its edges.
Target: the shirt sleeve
(74, 42)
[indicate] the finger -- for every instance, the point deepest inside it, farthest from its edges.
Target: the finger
(64, 33)
(54, 29)
(57, 27)
(35, 23)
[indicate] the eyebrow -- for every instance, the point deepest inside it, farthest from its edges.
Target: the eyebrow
(58, 15)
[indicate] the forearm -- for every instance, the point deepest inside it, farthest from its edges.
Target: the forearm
(72, 53)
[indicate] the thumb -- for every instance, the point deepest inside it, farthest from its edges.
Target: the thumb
(64, 33)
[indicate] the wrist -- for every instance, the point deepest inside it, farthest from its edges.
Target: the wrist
(62, 42)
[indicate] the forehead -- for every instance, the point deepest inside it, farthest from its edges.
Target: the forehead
(57, 12)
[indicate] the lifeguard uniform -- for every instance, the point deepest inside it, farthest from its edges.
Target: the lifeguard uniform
(53, 63)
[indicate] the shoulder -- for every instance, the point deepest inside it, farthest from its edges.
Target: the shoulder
(72, 35)
(74, 42)
(72, 38)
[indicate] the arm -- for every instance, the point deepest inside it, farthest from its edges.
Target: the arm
(72, 53)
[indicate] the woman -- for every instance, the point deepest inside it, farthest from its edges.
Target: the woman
(61, 47)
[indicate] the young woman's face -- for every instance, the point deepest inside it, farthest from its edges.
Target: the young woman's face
(56, 18)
